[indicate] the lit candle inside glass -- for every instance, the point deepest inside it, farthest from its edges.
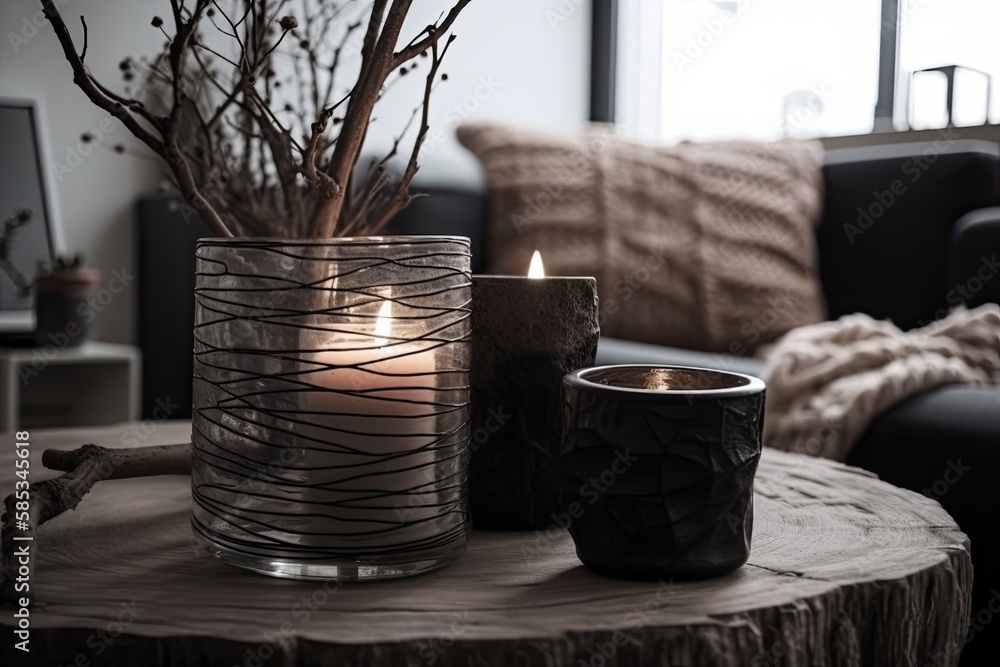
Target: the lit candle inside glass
(372, 414)
(330, 430)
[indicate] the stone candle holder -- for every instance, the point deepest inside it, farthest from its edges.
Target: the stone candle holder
(526, 335)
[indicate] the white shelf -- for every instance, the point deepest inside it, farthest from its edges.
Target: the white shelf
(90, 385)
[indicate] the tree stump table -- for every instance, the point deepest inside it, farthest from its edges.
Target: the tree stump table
(844, 570)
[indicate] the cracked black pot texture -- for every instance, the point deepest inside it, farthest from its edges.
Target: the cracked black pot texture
(656, 469)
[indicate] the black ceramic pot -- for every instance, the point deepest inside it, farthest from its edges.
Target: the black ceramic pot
(656, 469)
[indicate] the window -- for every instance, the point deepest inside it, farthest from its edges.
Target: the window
(763, 69)
(934, 34)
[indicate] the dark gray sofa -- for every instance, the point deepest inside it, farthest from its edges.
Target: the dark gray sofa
(919, 255)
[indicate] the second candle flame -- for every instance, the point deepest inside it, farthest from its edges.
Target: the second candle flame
(536, 269)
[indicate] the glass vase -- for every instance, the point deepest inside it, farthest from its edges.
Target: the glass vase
(331, 404)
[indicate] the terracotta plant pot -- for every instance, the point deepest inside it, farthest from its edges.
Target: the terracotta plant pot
(62, 316)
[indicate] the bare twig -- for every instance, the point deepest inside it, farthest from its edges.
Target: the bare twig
(83, 79)
(401, 197)
(418, 46)
(219, 115)
(86, 40)
(173, 158)
(279, 142)
(84, 468)
(376, 64)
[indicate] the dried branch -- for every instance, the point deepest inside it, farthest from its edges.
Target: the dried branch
(84, 468)
(316, 178)
(238, 150)
(86, 39)
(401, 198)
(418, 45)
(279, 141)
(335, 62)
(83, 79)
(376, 184)
(376, 64)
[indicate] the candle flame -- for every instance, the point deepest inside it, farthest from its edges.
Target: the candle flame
(536, 269)
(383, 325)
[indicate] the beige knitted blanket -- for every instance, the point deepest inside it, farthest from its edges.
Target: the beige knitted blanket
(827, 382)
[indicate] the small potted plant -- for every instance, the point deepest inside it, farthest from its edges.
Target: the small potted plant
(61, 291)
(11, 225)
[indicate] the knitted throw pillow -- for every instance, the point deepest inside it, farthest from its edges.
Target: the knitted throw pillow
(703, 246)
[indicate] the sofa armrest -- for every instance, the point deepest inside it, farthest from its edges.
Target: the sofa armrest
(888, 219)
(943, 444)
(975, 247)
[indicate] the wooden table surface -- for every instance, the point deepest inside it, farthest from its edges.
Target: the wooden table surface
(844, 570)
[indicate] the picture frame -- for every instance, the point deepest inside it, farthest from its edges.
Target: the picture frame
(25, 183)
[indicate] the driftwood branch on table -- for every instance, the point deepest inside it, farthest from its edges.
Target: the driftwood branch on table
(84, 468)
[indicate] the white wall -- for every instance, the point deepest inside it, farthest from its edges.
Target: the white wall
(521, 61)
(95, 197)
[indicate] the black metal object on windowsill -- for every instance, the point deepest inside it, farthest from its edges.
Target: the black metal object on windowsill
(949, 71)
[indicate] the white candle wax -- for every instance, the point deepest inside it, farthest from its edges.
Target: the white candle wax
(373, 425)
